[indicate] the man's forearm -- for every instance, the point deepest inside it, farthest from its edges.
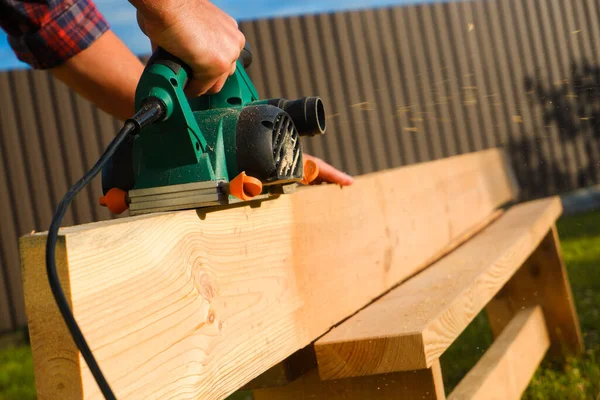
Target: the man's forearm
(106, 73)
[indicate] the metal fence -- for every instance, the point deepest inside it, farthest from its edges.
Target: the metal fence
(401, 85)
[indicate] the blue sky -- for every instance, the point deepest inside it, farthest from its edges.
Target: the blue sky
(121, 16)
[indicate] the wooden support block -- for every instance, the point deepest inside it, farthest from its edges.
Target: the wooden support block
(410, 327)
(505, 370)
(424, 384)
(286, 371)
(197, 304)
(541, 280)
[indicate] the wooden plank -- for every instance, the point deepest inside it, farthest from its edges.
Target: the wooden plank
(505, 370)
(192, 304)
(426, 384)
(412, 326)
(287, 371)
(283, 373)
(541, 280)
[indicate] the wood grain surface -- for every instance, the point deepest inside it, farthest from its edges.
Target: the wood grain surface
(506, 368)
(410, 327)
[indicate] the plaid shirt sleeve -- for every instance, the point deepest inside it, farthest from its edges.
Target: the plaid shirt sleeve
(46, 33)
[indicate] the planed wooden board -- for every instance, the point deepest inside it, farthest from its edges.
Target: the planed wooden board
(288, 370)
(195, 305)
(506, 368)
(541, 280)
(412, 325)
(425, 384)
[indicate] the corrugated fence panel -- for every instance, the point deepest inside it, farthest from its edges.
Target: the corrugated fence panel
(401, 85)
(49, 136)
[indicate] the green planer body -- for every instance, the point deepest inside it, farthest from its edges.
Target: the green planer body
(210, 150)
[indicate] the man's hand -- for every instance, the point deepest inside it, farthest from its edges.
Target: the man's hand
(200, 34)
(330, 174)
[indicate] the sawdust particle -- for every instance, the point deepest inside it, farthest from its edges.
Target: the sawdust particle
(411, 129)
(470, 27)
(576, 32)
(364, 106)
(517, 119)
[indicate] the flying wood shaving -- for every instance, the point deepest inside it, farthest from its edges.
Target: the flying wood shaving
(364, 106)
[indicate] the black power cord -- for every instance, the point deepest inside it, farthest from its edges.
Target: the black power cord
(151, 111)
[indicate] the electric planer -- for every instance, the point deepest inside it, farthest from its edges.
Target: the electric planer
(212, 150)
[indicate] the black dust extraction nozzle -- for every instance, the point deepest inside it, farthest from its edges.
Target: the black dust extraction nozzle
(308, 114)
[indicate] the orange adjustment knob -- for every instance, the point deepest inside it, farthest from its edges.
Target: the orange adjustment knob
(311, 171)
(115, 200)
(245, 187)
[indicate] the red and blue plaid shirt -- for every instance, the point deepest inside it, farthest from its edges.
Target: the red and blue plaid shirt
(44, 34)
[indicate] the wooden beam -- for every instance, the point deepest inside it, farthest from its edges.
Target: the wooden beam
(541, 280)
(506, 368)
(411, 326)
(196, 304)
(426, 384)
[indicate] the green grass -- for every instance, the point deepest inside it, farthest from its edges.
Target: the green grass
(577, 378)
(16, 374)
